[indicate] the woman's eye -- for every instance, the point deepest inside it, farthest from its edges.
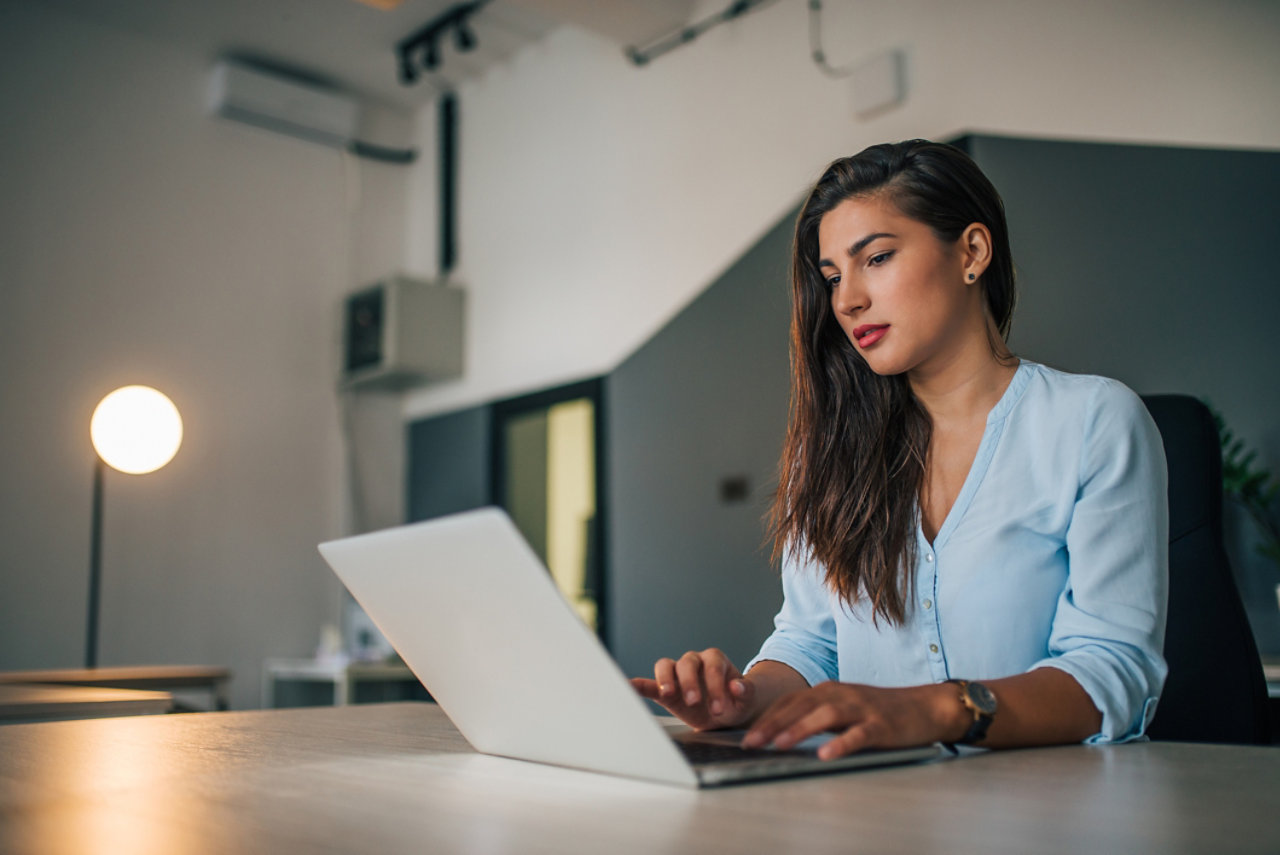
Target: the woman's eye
(879, 258)
(833, 281)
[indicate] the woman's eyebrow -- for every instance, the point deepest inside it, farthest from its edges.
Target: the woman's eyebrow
(857, 247)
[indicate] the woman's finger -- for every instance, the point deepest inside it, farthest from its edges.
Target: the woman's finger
(689, 676)
(717, 671)
(664, 673)
(852, 740)
(646, 688)
(820, 719)
(775, 719)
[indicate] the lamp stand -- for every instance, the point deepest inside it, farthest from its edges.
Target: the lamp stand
(95, 566)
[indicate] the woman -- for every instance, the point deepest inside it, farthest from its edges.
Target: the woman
(946, 513)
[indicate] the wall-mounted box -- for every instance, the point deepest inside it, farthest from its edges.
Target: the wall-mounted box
(879, 83)
(402, 332)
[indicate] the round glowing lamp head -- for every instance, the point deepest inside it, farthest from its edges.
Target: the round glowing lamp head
(136, 429)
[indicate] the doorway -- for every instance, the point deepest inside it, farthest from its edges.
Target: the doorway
(547, 451)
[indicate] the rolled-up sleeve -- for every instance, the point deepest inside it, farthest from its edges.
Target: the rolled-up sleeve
(1108, 629)
(804, 635)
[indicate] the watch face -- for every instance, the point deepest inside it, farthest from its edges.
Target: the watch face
(982, 698)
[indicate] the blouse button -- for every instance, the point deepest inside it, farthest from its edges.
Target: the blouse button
(928, 604)
(928, 557)
(933, 648)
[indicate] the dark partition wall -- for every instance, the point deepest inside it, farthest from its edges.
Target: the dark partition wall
(449, 466)
(697, 417)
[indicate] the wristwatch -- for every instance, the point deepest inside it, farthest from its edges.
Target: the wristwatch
(978, 699)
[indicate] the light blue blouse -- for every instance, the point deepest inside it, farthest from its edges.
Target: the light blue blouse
(1055, 554)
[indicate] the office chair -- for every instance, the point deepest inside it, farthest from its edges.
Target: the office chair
(1216, 691)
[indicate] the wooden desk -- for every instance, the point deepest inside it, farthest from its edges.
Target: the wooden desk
(26, 703)
(157, 678)
(398, 778)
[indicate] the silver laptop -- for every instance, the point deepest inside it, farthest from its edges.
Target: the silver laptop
(474, 612)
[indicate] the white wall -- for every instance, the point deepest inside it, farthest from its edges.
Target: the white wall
(598, 198)
(143, 241)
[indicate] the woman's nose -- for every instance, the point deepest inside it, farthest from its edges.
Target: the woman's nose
(846, 298)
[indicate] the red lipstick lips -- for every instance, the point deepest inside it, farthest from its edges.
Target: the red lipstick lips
(869, 334)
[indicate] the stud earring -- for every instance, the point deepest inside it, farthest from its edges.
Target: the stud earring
(972, 277)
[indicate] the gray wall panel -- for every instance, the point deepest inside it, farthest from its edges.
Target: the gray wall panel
(448, 463)
(702, 401)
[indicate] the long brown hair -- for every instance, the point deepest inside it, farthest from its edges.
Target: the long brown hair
(854, 459)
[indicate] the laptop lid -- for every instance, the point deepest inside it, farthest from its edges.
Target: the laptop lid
(473, 612)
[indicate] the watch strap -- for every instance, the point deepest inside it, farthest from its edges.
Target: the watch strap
(981, 718)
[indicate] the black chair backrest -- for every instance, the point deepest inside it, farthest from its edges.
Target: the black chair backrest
(1216, 691)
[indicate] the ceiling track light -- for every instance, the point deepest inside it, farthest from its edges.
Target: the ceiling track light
(420, 52)
(408, 72)
(464, 38)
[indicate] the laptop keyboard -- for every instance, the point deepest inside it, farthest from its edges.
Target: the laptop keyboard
(703, 753)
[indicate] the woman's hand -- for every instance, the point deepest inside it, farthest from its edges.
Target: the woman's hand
(702, 689)
(864, 716)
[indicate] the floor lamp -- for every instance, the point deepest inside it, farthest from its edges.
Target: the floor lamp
(135, 429)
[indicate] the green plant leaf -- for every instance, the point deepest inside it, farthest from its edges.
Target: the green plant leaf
(1254, 489)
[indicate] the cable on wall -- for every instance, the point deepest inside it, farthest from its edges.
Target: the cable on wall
(447, 180)
(382, 154)
(643, 55)
(815, 45)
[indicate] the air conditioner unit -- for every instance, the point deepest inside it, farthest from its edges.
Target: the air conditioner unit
(250, 94)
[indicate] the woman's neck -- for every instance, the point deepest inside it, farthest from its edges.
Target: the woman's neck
(964, 387)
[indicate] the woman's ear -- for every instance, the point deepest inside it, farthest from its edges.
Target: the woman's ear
(975, 247)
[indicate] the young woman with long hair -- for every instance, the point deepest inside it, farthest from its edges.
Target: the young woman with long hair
(973, 546)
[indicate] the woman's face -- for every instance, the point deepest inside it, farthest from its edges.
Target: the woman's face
(900, 294)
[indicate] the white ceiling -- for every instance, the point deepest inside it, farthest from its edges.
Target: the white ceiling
(352, 44)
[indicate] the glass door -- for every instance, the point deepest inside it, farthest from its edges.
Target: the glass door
(547, 474)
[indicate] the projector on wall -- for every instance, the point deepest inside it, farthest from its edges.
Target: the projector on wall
(250, 94)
